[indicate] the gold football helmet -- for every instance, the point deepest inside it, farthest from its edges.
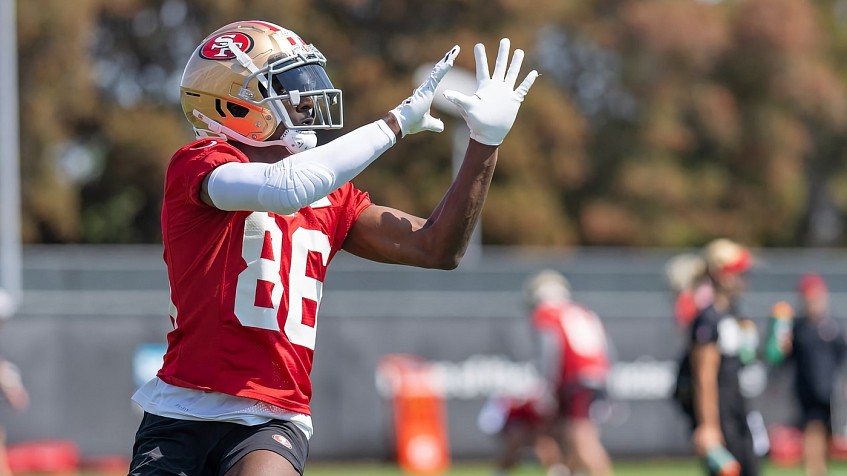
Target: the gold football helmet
(726, 256)
(237, 81)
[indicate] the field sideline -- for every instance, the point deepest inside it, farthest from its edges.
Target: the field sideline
(683, 467)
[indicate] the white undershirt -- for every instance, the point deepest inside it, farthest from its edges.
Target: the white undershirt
(170, 401)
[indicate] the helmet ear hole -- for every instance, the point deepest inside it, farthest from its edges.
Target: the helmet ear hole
(236, 110)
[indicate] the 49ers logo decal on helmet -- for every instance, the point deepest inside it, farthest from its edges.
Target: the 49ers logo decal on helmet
(217, 47)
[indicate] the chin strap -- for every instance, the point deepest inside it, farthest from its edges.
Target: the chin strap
(294, 141)
(299, 141)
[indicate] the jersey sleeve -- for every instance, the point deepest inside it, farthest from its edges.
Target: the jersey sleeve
(358, 202)
(704, 329)
(350, 203)
(192, 163)
(545, 318)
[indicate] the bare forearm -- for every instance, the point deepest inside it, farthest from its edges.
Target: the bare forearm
(705, 369)
(452, 222)
(392, 236)
(706, 403)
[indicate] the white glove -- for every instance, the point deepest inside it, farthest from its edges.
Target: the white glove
(491, 111)
(413, 113)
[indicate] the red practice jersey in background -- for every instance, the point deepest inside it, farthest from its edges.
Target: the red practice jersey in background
(245, 286)
(584, 349)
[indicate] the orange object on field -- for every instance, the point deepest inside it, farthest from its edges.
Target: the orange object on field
(419, 415)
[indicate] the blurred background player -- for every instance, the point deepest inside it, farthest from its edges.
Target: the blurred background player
(517, 423)
(816, 344)
(718, 408)
(573, 353)
(11, 385)
(685, 274)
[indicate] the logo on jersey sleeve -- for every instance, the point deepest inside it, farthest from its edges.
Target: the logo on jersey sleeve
(218, 47)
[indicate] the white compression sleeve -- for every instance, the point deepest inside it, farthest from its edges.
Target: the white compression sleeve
(300, 179)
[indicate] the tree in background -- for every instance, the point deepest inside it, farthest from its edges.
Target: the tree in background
(658, 122)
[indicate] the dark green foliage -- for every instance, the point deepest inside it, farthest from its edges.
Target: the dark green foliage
(655, 122)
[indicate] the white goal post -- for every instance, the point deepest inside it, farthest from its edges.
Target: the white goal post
(10, 201)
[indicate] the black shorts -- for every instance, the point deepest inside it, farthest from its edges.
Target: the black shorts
(193, 448)
(576, 400)
(815, 411)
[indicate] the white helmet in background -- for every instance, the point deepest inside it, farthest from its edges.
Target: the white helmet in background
(683, 270)
(546, 286)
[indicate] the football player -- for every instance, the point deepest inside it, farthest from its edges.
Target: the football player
(573, 353)
(685, 274)
(517, 423)
(715, 358)
(816, 343)
(254, 212)
(12, 388)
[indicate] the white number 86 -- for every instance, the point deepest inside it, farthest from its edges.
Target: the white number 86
(263, 269)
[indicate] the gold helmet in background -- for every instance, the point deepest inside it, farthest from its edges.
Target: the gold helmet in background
(724, 256)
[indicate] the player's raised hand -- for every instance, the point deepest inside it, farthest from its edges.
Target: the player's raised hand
(491, 111)
(413, 113)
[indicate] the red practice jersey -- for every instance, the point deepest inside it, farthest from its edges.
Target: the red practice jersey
(245, 286)
(582, 339)
(685, 308)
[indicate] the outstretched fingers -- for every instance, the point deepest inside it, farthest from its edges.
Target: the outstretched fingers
(481, 63)
(446, 63)
(491, 111)
(514, 68)
(441, 68)
(461, 100)
(451, 55)
(502, 60)
(526, 84)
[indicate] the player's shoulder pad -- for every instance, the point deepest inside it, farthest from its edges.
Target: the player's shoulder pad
(205, 146)
(209, 143)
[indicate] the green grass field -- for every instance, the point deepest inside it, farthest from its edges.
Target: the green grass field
(626, 468)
